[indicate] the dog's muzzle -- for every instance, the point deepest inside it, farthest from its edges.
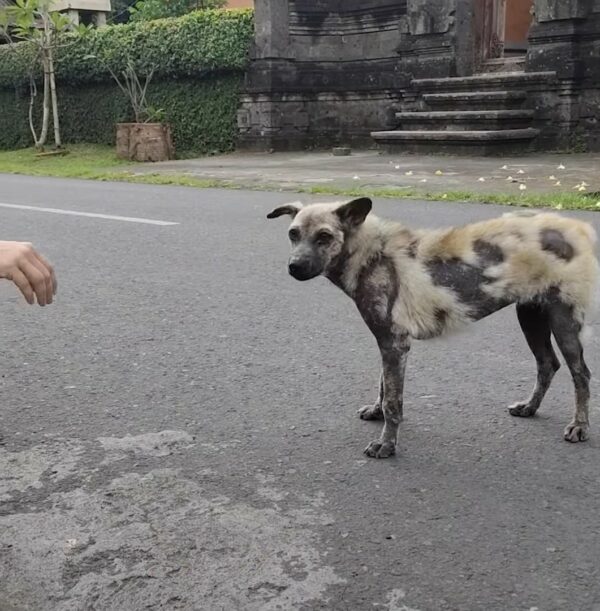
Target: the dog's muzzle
(301, 271)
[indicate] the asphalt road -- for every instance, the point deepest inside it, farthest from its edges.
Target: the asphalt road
(180, 429)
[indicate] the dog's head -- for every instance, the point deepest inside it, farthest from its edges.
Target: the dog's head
(318, 232)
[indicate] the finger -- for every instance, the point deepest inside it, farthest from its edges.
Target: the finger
(47, 276)
(49, 267)
(23, 284)
(36, 279)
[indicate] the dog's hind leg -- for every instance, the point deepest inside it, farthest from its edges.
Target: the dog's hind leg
(566, 329)
(374, 412)
(535, 323)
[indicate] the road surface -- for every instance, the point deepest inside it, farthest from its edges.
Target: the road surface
(180, 429)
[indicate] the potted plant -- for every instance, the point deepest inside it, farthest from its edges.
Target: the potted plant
(149, 137)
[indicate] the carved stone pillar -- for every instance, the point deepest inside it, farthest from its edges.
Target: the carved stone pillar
(323, 72)
(427, 40)
(260, 115)
(271, 34)
(554, 36)
(555, 45)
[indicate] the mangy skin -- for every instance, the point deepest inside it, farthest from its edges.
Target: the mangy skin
(425, 283)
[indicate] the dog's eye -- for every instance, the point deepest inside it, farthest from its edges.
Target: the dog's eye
(294, 234)
(324, 237)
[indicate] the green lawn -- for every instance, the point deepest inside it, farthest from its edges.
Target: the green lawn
(558, 201)
(83, 161)
(93, 162)
(100, 163)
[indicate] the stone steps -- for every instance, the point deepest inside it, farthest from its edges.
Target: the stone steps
(492, 100)
(493, 81)
(468, 120)
(465, 142)
(484, 114)
(508, 63)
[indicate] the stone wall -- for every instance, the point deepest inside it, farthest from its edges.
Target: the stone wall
(565, 38)
(328, 72)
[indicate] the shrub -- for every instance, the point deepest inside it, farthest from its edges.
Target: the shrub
(202, 113)
(198, 62)
(144, 10)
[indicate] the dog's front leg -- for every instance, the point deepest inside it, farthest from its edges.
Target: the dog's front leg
(394, 353)
(374, 412)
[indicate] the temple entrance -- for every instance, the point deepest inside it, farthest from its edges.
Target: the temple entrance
(502, 27)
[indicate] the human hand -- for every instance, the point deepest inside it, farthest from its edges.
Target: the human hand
(33, 275)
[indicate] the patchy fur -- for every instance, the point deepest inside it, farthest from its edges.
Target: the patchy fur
(422, 284)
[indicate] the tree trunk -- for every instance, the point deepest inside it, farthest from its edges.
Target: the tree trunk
(55, 119)
(32, 96)
(46, 112)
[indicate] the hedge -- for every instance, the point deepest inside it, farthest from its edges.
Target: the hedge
(202, 113)
(201, 42)
(199, 61)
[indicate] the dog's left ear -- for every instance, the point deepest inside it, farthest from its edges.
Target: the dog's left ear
(291, 209)
(355, 212)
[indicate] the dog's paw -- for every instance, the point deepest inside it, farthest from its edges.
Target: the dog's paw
(371, 412)
(376, 449)
(576, 431)
(523, 409)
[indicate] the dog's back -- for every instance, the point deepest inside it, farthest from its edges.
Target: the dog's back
(523, 256)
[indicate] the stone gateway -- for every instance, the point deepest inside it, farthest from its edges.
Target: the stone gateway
(463, 76)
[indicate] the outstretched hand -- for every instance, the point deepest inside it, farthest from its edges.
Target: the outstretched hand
(33, 275)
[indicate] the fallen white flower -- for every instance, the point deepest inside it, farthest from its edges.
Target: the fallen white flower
(561, 167)
(520, 172)
(355, 178)
(504, 167)
(510, 178)
(424, 180)
(558, 207)
(439, 173)
(396, 167)
(552, 177)
(522, 187)
(482, 179)
(557, 183)
(409, 173)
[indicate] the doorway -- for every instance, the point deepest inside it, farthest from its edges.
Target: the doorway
(502, 28)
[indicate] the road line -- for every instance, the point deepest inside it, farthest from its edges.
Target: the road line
(94, 215)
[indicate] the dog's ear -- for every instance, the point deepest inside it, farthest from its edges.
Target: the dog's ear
(355, 212)
(291, 209)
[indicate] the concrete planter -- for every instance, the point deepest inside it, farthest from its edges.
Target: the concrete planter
(145, 141)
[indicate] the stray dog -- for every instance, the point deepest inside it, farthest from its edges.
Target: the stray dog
(422, 284)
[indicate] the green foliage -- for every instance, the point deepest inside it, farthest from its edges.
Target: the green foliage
(14, 127)
(198, 63)
(34, 20)
(120, 10)
(192, 45)
(146, 10)
(202, 113)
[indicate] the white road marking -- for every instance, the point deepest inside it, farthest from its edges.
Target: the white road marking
(94, 215)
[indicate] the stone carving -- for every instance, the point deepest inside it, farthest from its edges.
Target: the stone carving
(427, 17)
(552, 10)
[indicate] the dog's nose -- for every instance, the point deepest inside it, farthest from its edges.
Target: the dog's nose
(295, 269)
